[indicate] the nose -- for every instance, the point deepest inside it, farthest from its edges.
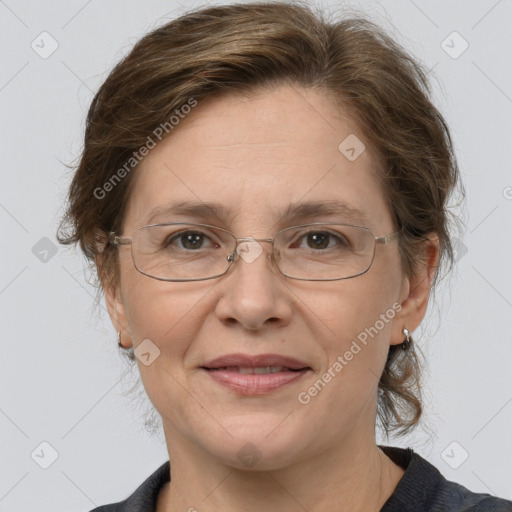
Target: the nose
(253, 294)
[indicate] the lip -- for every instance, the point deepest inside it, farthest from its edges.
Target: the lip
(249, 361)
(255, 384)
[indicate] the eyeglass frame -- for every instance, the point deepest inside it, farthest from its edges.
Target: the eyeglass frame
(123, 241)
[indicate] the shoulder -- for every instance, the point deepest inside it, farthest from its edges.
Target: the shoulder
(461, 499)
(144, 498)
(492, 505)
(424, 489)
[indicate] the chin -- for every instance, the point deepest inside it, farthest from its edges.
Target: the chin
(252, 457)
(256, 450)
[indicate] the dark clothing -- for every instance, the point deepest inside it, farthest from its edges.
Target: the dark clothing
(422, 488)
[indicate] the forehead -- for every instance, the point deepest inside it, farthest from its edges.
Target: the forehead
(258, 157)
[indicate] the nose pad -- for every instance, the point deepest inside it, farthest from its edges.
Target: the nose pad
(250, 250)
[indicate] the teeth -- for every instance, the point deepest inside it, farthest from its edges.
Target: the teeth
(257, 371)
(267, 369)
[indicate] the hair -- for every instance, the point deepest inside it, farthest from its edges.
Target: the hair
(242, 48)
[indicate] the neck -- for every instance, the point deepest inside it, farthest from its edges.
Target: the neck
(357, 476)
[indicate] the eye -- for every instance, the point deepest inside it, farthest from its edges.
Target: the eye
(321, 240)
(189, 240)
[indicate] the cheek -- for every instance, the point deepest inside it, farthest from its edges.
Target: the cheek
(341, 310)
(167, 313)
(363, 330)
(352, 326)
(171, 316)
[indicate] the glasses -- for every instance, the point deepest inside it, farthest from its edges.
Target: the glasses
(197, 252)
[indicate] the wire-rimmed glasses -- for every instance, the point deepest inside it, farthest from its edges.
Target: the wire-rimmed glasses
(195, 252)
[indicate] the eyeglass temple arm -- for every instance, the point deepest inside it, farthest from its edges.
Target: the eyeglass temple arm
(387, 238)
(118, 240)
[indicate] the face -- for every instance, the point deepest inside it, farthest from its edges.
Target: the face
(254, 157)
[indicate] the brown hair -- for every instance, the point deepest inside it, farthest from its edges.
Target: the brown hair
(241, 47)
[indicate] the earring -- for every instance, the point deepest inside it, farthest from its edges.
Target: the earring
(407, 342)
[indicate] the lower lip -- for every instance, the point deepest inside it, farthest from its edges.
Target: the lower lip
(255, 384)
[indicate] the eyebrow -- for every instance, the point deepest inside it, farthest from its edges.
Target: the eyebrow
(296, 212)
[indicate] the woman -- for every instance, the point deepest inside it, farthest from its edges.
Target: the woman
(264, 196)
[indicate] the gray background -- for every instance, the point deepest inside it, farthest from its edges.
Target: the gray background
(62, 380)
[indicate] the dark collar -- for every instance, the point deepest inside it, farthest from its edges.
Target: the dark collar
(423, 488)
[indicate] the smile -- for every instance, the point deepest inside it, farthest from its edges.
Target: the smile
(255, 374)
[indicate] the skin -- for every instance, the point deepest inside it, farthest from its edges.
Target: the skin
(255, 155)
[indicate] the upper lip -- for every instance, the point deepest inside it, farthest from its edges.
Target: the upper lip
(248, 361)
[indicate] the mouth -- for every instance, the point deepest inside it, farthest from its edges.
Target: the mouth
(259, 370)
(255, 375)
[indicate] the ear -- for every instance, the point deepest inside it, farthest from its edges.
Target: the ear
(415, 291)
(117, 313)
(115, 307)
